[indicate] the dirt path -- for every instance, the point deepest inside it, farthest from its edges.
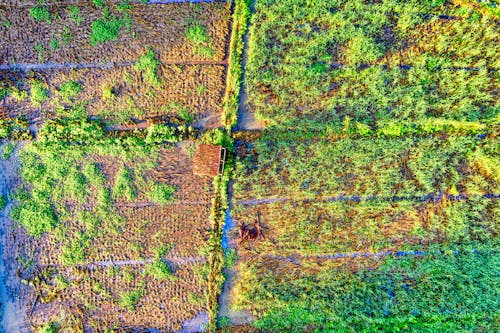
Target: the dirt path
(139, 262)
(358, 198)
(105, 65)
(139, 2)
(12, 304)
(246, 117)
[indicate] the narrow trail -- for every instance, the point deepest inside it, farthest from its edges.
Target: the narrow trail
(358, 198)
(245, 121)
(96, 65)
(12, 302)
(137, 262)
(246, 117)
(295, 259)
(136, 2)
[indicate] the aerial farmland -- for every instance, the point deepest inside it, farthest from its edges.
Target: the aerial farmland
(249, 166)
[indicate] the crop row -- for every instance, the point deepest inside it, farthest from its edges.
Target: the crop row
(118, 33)
(398, 293)
(380, 167)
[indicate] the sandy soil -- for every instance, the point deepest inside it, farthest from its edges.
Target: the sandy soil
(13, 295)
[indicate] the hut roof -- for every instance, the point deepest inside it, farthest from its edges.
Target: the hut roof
(207, 159)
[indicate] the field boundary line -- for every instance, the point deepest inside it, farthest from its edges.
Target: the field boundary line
(357, 198)
(132, 262)
(105, 65)
(377, 255)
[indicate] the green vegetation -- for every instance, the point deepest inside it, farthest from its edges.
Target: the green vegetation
(40, 13)
(123, 186)
(108, 28)
(38, 94)
(241, 17)
(74, 13)
(381, 135)
(161, 193)
(201, 41)
(296, 80)
(402, 293)
(69, 90)
(148, 65)
(7, 150)
(130, 299)
(3, 202)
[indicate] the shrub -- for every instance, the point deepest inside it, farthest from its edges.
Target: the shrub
(123, 186)
(7, 150)
(73, 254)
(107, 93)
(54, 44)
(74, 14)
(148, 66)
(51, 327)
(197, 35)
(39, 93)
(160, 270)
(129, 299)
(3, 201)
(70, 89)
(107, 28)
(18, 94)
(161, 193)
(40, 13)
(36, 217)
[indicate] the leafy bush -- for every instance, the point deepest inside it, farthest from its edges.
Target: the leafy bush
(161, 193)
(36, 216)
(39, 93)
(70, 89)
(160, 270)
(74, 14)
(197, 35)
(51, 327)
(7, 150)
(124, 184)
(130, 299)
(148, 65)
(107, 28)
(40, 13)
(3, 201)
(18, 94)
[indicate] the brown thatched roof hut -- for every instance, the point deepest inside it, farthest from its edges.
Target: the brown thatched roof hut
(207, 159)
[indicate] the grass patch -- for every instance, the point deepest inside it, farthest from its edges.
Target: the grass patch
(161, 193)
(148, 66)
(39, 94)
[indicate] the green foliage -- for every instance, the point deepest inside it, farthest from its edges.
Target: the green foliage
(197, 35)
(54, 44)
(444, 291)
(18, 94)
(73, 253)
(3, 201)
(40, 50)
(38, 94)
(129, 299)
(124, 185)
(98, 3)
(107, 28)
(50, 327)
(161, 193)
(40, 13)
(70, 89)
(7, 150)
(160, 270)
(74, 14)
(148, 65)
